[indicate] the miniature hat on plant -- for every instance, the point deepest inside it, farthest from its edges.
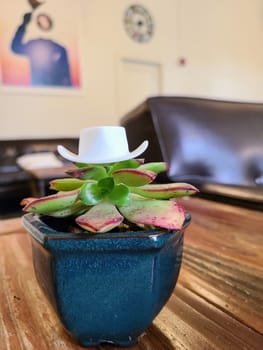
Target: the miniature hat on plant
(103, 144)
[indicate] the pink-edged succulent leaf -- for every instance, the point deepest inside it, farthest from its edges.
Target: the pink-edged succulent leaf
(93, 193)
(67, 184)
(165, 191)
(158, 213)
(156, 167)
(76, 209)
(133, 177)
(52, 203)
(130, 163)
(88, 173)
(27, 200)
(102, 217)
(139, 160)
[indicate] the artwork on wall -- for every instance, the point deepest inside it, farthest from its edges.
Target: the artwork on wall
(39, 45)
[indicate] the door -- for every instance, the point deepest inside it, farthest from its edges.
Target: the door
(137, 81)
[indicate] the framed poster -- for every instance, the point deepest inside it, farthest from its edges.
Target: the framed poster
(40, 45)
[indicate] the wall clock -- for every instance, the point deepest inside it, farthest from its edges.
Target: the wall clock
(138, 23)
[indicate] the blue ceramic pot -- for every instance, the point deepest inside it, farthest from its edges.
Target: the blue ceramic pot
(106, 287)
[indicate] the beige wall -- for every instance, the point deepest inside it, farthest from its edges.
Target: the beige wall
(221, 41)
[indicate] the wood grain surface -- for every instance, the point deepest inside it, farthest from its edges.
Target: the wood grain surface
(217, 303)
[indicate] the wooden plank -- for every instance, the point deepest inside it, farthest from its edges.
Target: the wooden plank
(190, 322)
(9, 226)
(225, 284)
(223, 260)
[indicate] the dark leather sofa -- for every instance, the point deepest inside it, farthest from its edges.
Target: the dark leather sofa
(213, 144)
(16, 183)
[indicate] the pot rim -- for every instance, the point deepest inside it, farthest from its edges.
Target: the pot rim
(33, 222)
(114, 241)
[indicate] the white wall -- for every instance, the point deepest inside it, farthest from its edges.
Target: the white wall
(221, 41)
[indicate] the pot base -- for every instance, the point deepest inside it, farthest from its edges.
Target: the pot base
(96, 342)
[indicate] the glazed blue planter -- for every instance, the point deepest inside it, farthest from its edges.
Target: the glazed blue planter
(105, 288)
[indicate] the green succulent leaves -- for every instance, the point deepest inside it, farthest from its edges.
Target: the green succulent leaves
(126, 164)
(52, 203)
(65, 184)
(165, 191)
(119, 195)
(89, 173)
(101, 196)
(155, 167)
(93, 193)
(133, 177)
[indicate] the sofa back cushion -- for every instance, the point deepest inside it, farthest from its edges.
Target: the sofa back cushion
(210, 141)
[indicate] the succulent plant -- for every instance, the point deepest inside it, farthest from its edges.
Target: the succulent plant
(103, 196)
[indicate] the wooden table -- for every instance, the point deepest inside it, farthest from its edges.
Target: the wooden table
(217, 303)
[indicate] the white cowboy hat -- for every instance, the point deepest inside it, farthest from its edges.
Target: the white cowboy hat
(102, 144)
